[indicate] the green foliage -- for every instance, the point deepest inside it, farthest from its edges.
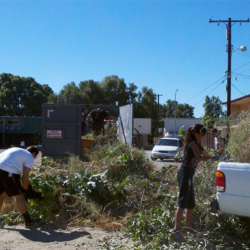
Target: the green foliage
(152, 227)
(213, 110)
(21, 96)
(182, 110)
(70, 94)
(239, 141)
(181, 131)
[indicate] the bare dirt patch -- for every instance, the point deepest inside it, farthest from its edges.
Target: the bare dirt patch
(55, 238)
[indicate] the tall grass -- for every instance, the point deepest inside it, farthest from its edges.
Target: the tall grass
(239, 141)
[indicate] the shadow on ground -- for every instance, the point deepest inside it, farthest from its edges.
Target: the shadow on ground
(49, 234)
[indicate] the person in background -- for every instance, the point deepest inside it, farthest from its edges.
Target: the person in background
(22, 144)
(13, 162)
(193, 153)
(97, 118)
(220, 142)
(85, 129)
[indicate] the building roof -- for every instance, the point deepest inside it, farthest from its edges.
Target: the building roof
(238, 99)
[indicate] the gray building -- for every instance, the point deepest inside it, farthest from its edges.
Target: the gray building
(171, 123)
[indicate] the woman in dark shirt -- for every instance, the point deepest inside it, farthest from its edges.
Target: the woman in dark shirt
(193, 153)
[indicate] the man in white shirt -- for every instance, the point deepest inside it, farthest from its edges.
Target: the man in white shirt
(219, 141)
(13, 162)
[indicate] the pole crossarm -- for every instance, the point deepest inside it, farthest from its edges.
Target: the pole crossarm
(226, 21)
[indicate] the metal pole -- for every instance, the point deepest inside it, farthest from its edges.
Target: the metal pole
(158, 112)
(175, 112)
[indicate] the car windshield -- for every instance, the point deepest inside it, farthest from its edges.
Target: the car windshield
(167, 142)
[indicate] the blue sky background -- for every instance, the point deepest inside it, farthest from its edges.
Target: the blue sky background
(164, 45)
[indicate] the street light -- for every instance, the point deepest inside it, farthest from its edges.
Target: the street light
(242, 48)
(175, 112)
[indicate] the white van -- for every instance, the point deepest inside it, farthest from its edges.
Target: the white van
(167, 148)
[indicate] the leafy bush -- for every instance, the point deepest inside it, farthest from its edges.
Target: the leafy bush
(152, 226)
(239, 140)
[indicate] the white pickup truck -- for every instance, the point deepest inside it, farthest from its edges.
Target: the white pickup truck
(233, 189)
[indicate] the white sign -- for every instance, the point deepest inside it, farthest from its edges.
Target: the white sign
(54, 133)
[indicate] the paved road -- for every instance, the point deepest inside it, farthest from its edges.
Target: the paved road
(159, 164)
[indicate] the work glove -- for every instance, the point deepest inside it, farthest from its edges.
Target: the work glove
(32, 194)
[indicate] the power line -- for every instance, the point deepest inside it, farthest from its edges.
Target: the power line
(240, 53)
(238, 89)
(242, 75)
(209, 93)
(244, 71)
(242, 66)
(207, 88)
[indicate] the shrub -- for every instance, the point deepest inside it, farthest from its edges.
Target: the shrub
(239, 140)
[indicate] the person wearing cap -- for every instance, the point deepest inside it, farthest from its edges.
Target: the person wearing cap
(14, 162)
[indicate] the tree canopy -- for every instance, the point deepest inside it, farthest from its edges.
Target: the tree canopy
(213, 110)
(22, 95)
(182, 110)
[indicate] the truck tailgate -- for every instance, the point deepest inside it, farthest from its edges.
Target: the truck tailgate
(236, 198)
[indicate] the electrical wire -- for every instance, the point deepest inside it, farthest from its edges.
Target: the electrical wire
(208, 87)
(238, 89)
(241, 66)
(241, 75)
(209, 93)
(243, 71)
(240, 53)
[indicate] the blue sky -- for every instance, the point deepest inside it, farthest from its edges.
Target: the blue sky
(164, 45)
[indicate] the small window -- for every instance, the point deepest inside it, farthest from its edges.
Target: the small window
(12, 122)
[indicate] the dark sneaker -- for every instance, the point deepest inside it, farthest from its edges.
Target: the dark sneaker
(178, 236)
(34, 223)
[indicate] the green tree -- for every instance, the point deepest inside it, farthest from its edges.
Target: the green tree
(213, 110)
(70, 94)
(182, 110)
(91, 92)
(114, 89)
(22, 96)
(146, 105)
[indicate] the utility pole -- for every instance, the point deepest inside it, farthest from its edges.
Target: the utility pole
(229, 51)
(158, 112)
(175, 111)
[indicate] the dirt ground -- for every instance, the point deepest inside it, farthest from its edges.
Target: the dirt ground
(55, 238)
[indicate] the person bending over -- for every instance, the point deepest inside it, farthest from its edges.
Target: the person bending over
(13, 163)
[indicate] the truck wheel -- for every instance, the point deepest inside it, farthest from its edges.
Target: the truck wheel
(214, 206)
(153, 159)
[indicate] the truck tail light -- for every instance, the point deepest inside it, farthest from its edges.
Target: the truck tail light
(220, 181)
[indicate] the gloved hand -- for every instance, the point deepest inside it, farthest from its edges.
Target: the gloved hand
(216, 158)
(32, 194)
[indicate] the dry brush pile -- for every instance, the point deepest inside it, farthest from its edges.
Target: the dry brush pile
(118, 188)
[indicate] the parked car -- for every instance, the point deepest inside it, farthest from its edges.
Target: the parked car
(167, 148)
(232, 182)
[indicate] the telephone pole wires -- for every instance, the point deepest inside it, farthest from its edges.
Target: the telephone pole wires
(229, 51)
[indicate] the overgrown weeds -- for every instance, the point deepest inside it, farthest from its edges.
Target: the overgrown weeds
(119, 187)
(239, 140)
